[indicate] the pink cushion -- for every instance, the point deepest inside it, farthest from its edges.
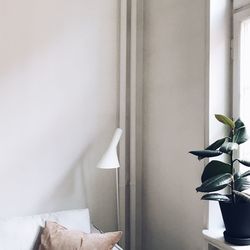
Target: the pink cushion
(57, 237)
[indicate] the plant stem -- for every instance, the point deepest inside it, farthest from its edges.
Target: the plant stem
(232, 172)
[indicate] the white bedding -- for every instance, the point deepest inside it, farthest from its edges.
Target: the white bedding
(21, 233)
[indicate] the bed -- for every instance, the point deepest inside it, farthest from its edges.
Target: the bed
(22, 233)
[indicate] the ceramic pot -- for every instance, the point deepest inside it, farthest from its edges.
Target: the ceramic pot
(237, 222)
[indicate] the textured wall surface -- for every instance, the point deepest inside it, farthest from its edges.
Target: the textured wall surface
(174, 106)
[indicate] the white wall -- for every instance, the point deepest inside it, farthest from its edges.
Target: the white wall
(174, 123)
(58, 105)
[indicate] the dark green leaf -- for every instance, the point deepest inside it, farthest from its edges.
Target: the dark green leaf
(240, 135)
(237, 176)
(205, 153)
(245, 163)
(225, 120)
(216, 144)
(231, 135)
(247, 173)
(215, 183)
(239, 124)
(228, 147)
(242, 195)
(242, 183)
(216, 197)
(214, 168)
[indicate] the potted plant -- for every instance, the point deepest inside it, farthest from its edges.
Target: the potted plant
(226, 175)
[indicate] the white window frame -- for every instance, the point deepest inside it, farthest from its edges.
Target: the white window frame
(218, 85)
(220, 82)
(239, 16)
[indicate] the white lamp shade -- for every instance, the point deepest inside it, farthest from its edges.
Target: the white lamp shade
(109, 159)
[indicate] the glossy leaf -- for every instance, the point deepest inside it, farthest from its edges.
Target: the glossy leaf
(242, 183)
(237, 176)
(239, 124)
(228, 147)
(245, 163)
(247, 173)
(225, 120)
(205, 153)
(242, 195)
(214, 168)
(216, 144)
(240, 135)
(216, 197)
(215, 183)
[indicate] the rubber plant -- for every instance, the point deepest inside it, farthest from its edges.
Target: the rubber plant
(218, 174)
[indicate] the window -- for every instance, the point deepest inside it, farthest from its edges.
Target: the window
(241, 90)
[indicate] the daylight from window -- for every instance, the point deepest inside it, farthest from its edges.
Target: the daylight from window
(245, 82)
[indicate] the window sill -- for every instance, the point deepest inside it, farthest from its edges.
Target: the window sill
(216, 239)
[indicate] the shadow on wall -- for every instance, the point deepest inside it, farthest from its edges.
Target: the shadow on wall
(99, 184)
(85, 185)
(68, 192)
(82, 182)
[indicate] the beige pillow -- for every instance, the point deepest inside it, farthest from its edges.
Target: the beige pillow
(57, 237)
